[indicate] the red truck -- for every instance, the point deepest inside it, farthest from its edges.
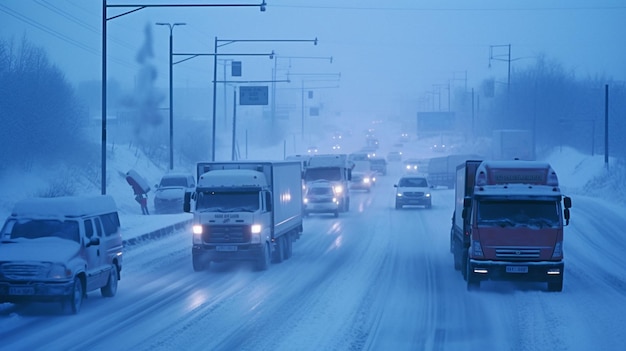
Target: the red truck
(508, 223)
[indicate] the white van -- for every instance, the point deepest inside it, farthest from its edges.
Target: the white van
(59, 249)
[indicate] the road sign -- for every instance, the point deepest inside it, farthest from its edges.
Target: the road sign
(253, 95)
(236, 69)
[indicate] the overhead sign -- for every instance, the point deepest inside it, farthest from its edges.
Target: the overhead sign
(253, 95)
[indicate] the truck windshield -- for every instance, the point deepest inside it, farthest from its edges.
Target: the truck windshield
(331, 174)
(228, 201)
(41, 228)
(530, 213)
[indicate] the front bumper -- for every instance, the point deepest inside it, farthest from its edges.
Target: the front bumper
(542, 271)
(227, 252)
(321, 207)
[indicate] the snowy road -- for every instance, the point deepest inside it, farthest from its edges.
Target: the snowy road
(375, 279)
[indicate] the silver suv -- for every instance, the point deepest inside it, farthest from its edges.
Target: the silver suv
(413, 190)
(320, 197)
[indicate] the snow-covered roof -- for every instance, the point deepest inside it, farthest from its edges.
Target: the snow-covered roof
(232, 178)
(67, 206)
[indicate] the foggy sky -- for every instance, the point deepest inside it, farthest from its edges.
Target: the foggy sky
(389, 53)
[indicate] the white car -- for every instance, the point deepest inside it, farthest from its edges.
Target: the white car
(169, 194)
(320, 197)
(413, 190)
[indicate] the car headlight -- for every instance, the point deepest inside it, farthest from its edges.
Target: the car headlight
(59, 271)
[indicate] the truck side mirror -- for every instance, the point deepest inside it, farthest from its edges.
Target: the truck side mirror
(467, 202)
(187, 202)
(567, 202)
(566, 216)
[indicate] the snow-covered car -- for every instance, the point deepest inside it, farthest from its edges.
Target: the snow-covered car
(169, 194)
(320, 197)
(59, 249)
(413, 190)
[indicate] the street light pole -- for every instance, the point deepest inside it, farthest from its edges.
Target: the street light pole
(171, 27)
(105, 18)
(497, 58)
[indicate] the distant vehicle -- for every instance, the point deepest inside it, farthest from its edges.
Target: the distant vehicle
(404, 137)
(372, 142)
(439, 148)
(413, 190)
(362, 181)
(394, 156)
(312, 150)
(320, 197)
(335, 168)
(378, 165)
(442, 170)
(59, 249)
(169, 194)
(337, 136)
(415, 165)
(336, 147)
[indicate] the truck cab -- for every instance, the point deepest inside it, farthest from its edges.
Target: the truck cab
(512, 222)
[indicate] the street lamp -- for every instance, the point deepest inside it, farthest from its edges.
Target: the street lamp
(499, 58)
(227, 42)
(171, 27)
(105, 19)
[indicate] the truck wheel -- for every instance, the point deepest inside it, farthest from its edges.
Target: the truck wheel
(279, 250)
(453, 249)
(72, 303)
(288, 246)
(464, 263)
(110, 289)
(556, 286)
(199, 263)
(472, 282)
(263, 261)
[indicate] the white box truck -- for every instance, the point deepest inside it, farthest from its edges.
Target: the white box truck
(245, 211)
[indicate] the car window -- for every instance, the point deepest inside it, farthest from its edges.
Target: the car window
(174, 181)
(414, 182)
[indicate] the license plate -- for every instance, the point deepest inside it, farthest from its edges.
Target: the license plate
(226, 248)
(517, 269)
(21, 290)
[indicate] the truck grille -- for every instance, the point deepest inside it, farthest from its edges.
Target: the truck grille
(413, 193)
(24, 271)
(517, 253)
(226, 234)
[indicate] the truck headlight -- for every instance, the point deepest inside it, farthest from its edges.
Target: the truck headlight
(476, 249)
(427, 195)
(366, 180)
(338, 189)
(255, 229)
(197, 231)
(558, 250)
